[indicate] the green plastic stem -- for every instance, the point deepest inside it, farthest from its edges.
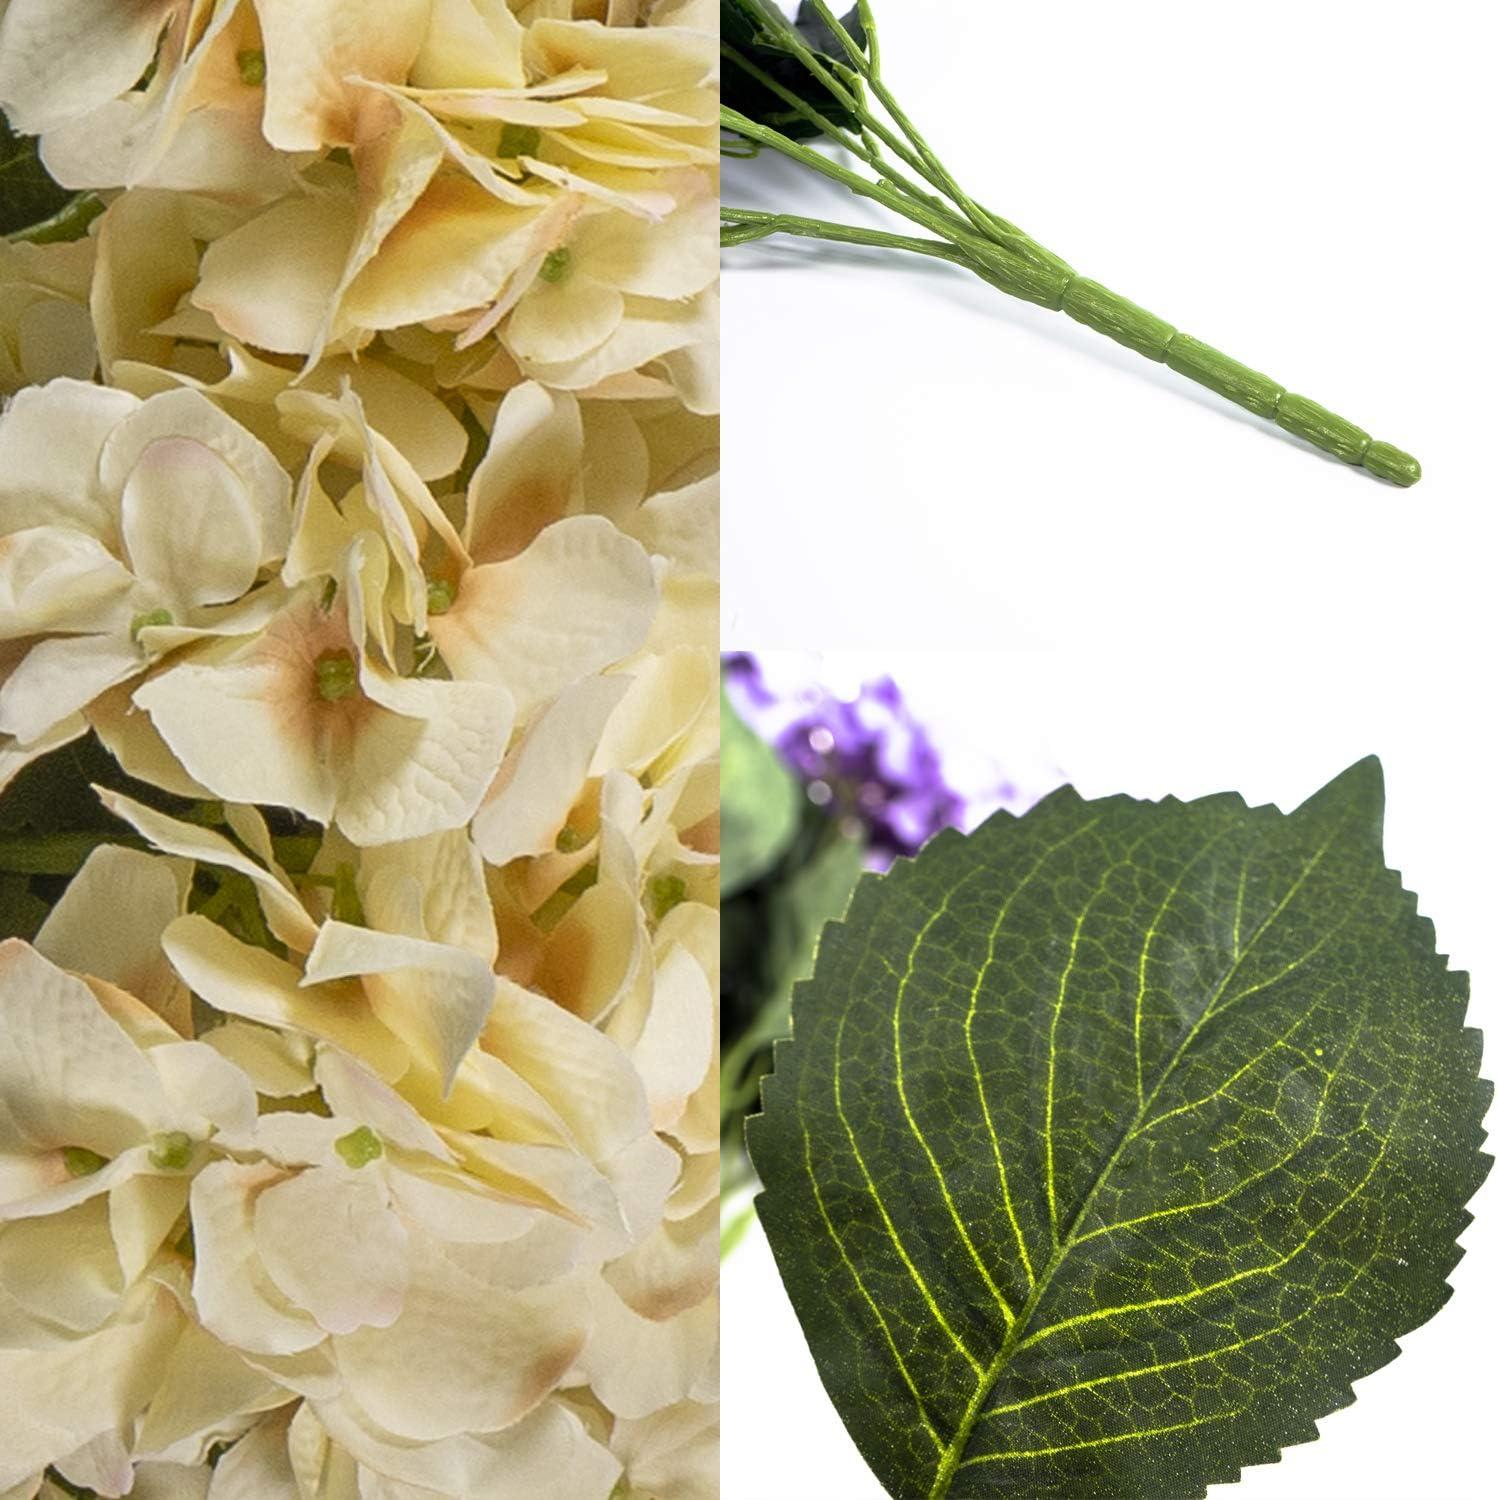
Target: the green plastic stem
(995, 249)
(1154, 338)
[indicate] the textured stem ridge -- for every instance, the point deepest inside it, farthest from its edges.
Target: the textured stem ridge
(1155, 339)
(973, 236)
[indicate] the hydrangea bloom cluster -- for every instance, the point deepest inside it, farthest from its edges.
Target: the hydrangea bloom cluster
(866, 758)
(357, 492)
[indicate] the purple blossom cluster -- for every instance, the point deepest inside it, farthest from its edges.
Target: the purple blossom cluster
(866, 759)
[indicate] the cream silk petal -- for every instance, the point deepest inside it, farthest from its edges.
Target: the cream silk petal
(530, 474)
(314, 49)
(285, 913)
(69, 1076)
(547, 1455)
(330, 1242)
(458, 1359)
(454, 250)
(578, 599)
(271, 282)
(50, 439)
(675, 258)
(61, 676)
(257, 986)
(543, 776)
(56, 578)
(189, 527)
(555, 323)
(583, 1074)
(63, 1396)
(431, 887)
(188, 415)
(253, 729)
(637, 1366)
(436, 998)
(109, 921)
(419, 761)
(61, 57)
(235, 1296)
(471, 44)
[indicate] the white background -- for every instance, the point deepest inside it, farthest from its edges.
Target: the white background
(1088, 563)
(1421, 1428)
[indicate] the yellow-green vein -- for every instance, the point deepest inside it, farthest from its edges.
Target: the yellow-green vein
(884, 1327)
(932, 1306)
(972, 1011)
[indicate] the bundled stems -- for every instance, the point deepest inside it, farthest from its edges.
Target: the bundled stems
(919, 188)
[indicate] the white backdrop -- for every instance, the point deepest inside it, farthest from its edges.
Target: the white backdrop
(1421, 1428)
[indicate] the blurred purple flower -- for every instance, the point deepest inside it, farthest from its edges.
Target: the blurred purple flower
(866, 759)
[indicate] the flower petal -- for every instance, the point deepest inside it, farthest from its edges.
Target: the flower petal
(68, 1074)
(189, 527)
(249, 982)
(60, 676)
(562, 321)
(271, 281)
(530, 475)
(50, 440)
(315, 49)
(252, 728)
(284, 911)
(419, 761)
(331, 1244)
(109, 921)
(543, 776)
(578, 599)
(435, 997)
(235, 1297)
(459, 1359)
(61, 57)
(56, 578)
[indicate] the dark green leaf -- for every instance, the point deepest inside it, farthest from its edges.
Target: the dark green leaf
(27, 194)
(761, 804)
(749, 29)
(1116, 1141)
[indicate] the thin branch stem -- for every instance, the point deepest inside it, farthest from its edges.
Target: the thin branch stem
(766, 224)
(808, 57)
(916, 212)
(861, 149)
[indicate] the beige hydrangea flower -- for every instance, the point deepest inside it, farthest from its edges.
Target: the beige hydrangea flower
(230, 87)
(127, 529)
(361, 1134)
(109, 1117)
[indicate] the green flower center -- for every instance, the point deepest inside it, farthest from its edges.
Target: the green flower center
(81, 1162)
(359, 1147)
(171, 1150)
(519, 140)
(251, 67)
(440, 596)
(665, 892)
(570, 840)
(337, 676)
(556, 265)
(147, 620)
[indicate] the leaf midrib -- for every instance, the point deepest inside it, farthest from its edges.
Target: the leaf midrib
(956, 1451)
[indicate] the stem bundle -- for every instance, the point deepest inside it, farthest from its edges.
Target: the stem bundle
(903, 174)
